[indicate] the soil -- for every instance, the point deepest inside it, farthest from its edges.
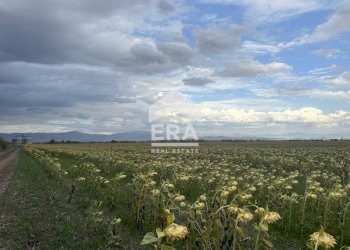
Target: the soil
(8, 162)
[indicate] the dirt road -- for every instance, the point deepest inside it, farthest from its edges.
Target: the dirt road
(8, 162)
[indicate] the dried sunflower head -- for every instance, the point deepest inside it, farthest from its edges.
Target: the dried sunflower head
(155, 192)
(180, 198)
(199, 206)
(175, 232)
(235, 210)
(224, 193)
(202, 198)
(245, 197)
(232, 189)
(271, 217)
(323, 239)
(169, 185)
(245, 216)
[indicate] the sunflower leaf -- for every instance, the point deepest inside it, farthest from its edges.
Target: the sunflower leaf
(149, 238)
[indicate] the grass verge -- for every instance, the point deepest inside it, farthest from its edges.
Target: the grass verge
(34, 212)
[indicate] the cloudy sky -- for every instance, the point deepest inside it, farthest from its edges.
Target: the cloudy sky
(242, 67)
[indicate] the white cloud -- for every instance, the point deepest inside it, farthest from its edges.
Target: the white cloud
(313, 93)
(331, 95)
(338, 81)
(273, 10)
(260, 48)
(337, 24)
(328, 53)
(326, 70)
(250, 68)
(213, 18)
(176, 107)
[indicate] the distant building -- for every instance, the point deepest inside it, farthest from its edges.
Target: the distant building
(27, 140)
(21, 139)
(17, 140)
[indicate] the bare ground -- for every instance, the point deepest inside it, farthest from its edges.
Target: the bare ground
(8, 162)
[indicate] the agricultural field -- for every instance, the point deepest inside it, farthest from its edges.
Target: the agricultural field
(230, 195)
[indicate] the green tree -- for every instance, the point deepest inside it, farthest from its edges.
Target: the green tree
(3, 143)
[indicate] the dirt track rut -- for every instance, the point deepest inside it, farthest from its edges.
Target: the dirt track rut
(8, 162)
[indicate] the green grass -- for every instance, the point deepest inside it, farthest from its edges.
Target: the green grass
(34, 212)
(122, 210)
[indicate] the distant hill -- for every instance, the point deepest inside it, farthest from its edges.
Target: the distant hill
(146, 136)
(83, 137)
(243, 138)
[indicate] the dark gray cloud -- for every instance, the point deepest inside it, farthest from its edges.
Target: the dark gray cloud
(62, 55)
(145, 53)
(165, 6)
(52, 32)
(197, 81)
(219, 38)
(34, 32)
(34, 85)
(147, 59)
(68, 96)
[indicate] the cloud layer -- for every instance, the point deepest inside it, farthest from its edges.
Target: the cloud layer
(99, 66)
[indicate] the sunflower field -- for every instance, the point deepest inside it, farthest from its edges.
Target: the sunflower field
(229, 195)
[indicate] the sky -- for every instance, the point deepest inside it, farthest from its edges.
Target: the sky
(237, 67)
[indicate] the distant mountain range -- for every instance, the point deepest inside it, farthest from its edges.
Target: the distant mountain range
(143, 136)
(82, 137)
